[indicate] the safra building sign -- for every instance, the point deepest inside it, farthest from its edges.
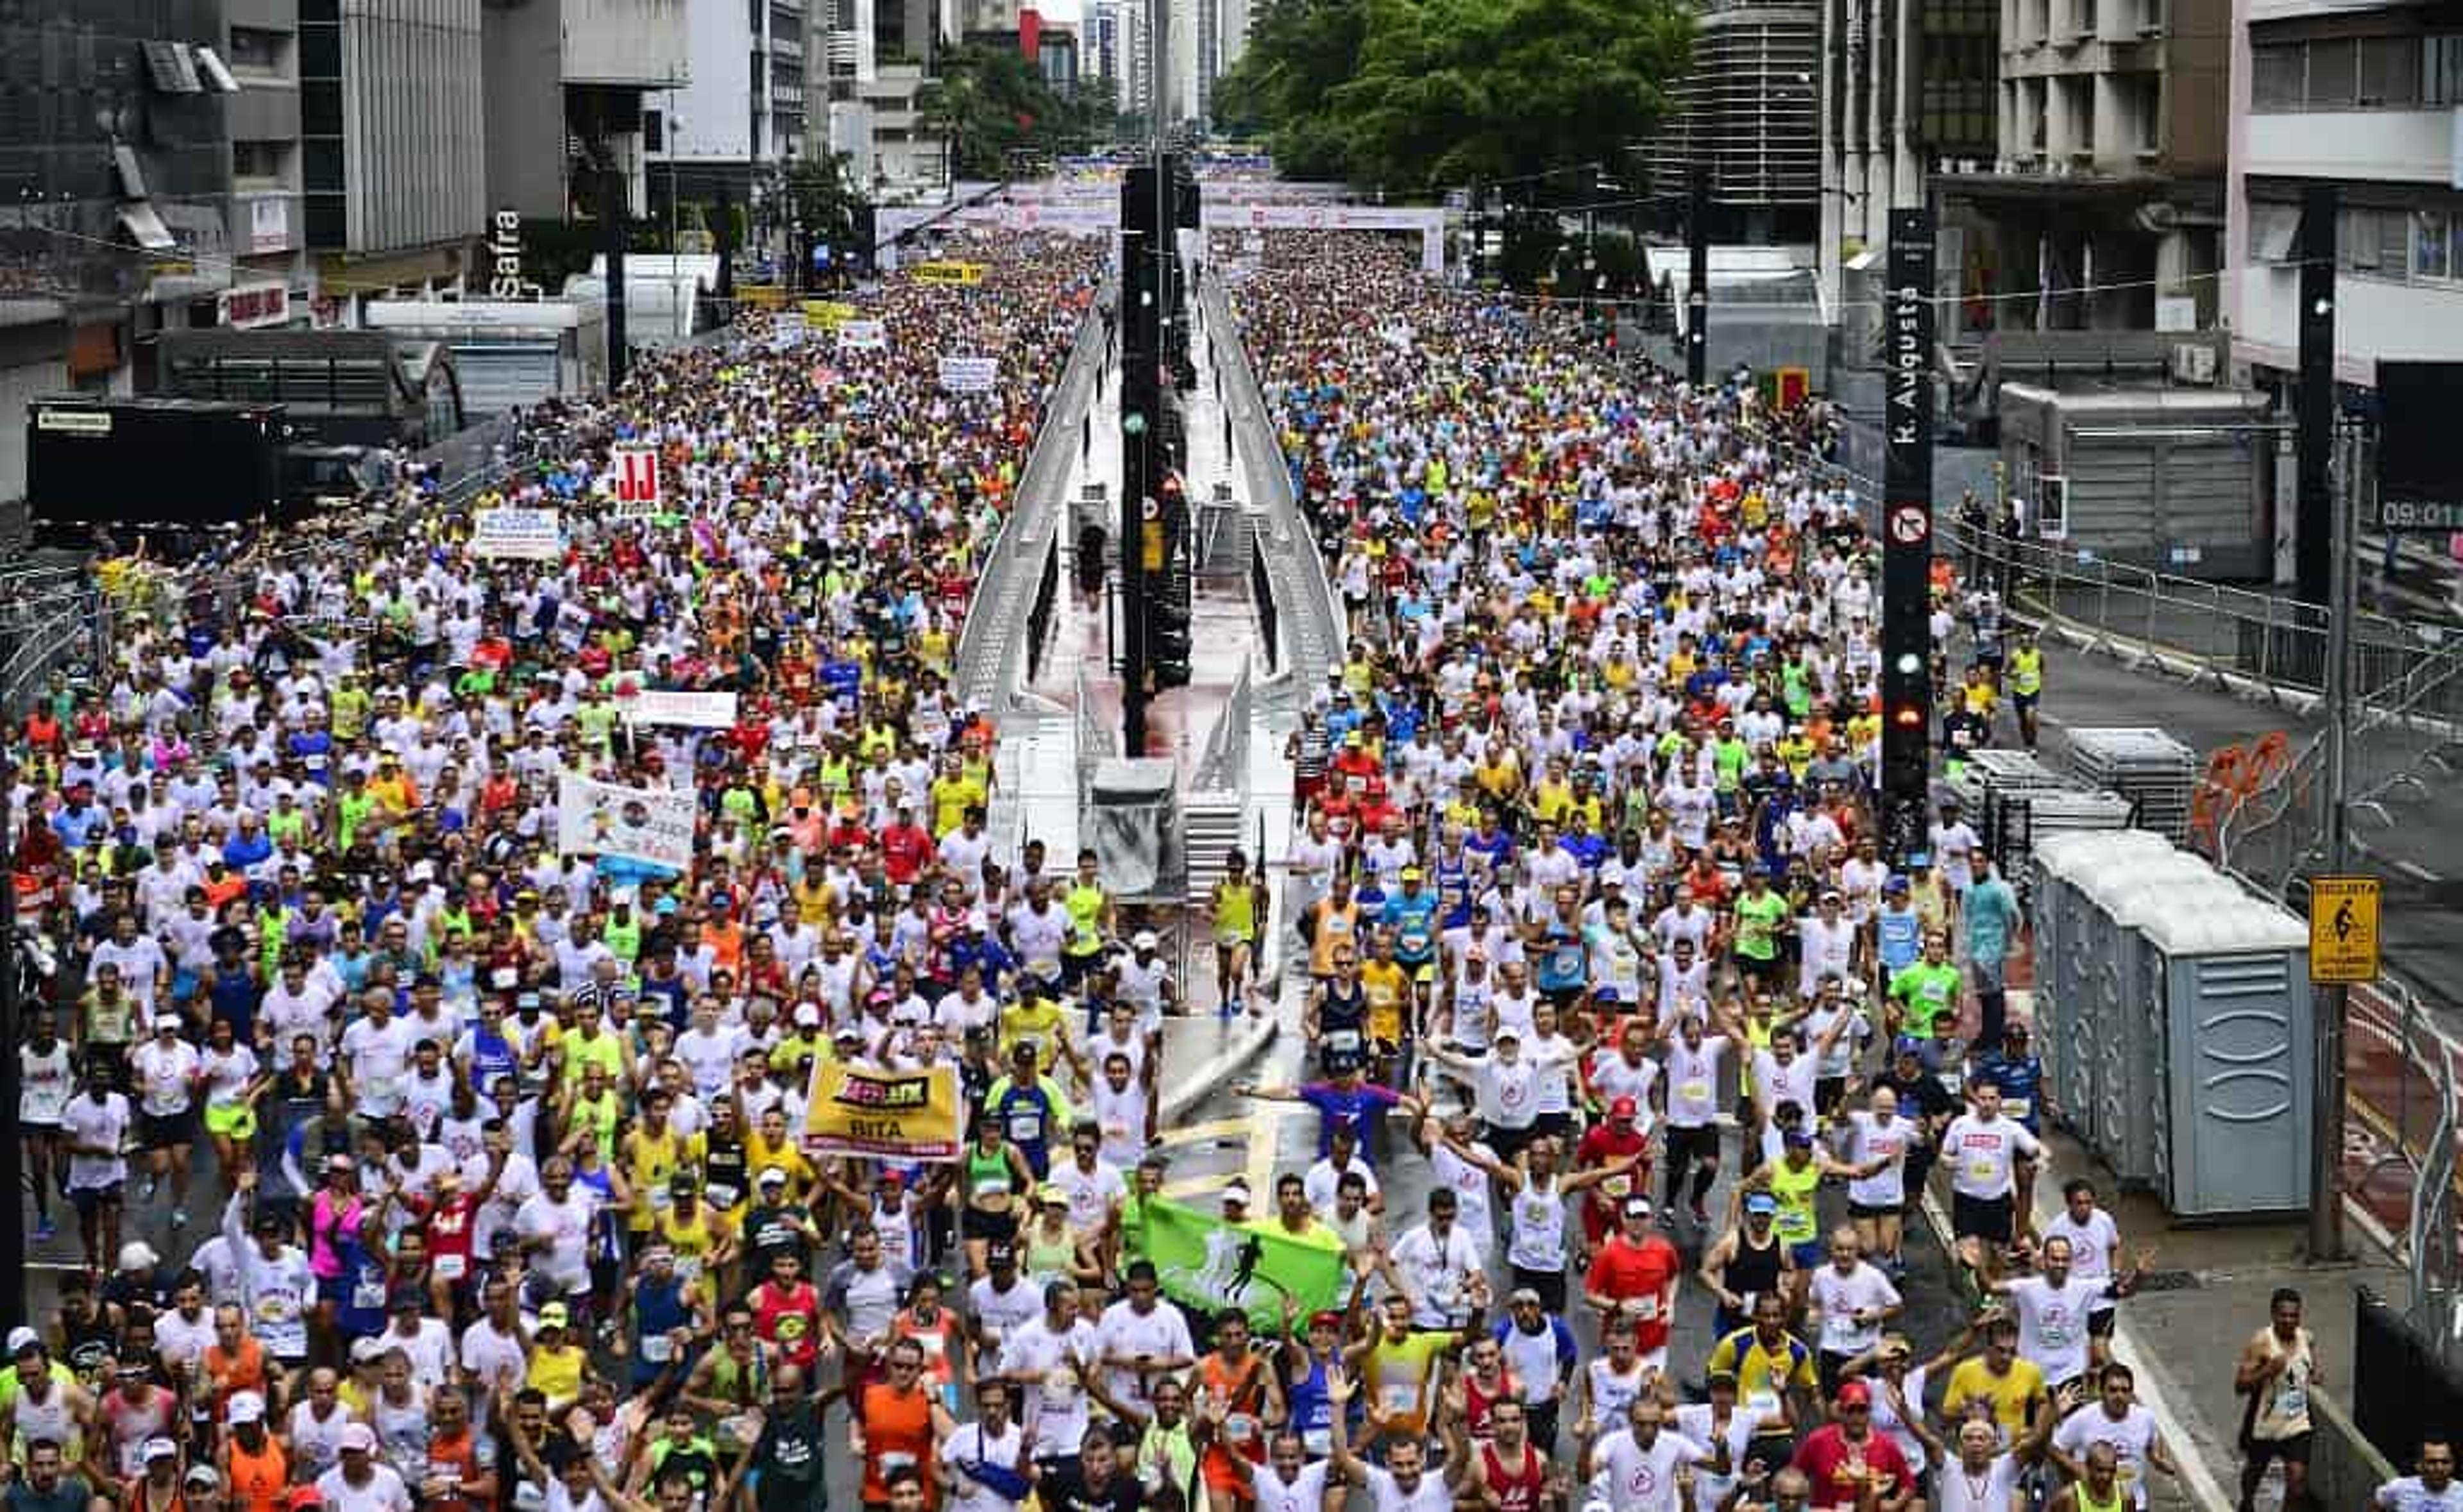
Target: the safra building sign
(505, 273)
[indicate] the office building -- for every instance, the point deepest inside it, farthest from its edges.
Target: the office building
(2365, 98)
(1120, 47)
(1907, 88)
(115, 175)
(2102, 207)
(745, 108)
(569, 83)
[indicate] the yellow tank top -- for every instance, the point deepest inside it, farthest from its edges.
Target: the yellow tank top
(1236, 913)
(1085, 906)
(2027, 672)
(1795, 1187)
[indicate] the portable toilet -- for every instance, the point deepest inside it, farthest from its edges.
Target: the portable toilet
(2133, 1036)
(2064, 1030)
(2239, 1015)
(2101, 996)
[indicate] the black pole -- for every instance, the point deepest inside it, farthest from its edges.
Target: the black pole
(612, 204)
(1907, 537)
(2314, 400)
(1145, 249)
(1479, 236)
(723, 240)
(1697, 291)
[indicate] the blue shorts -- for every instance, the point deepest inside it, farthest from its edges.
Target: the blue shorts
(1808, 1256)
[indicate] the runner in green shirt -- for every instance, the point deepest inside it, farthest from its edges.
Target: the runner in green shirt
(1924, 993)
(1760, 914)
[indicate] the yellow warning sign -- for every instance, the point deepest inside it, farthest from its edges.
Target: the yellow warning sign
(2343, 929)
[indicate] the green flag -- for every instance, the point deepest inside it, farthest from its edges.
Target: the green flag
(1209, 1264)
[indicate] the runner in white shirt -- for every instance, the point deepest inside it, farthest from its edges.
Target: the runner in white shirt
(2095, 1255)
(95, 1126)
(2117, 1420)
(2052, 1307)
(2434, 1489)
(1403, 1483)
(1640, 1462)
(1982, 1150)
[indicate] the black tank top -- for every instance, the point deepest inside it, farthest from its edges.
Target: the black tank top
(1754, 1271)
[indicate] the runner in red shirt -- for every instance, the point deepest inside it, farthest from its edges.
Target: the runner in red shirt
(1613, 1142)
(1841, 1456)
(1637, 1274)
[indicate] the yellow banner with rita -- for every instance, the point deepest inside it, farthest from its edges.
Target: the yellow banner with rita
(828, 315)
(949, 272)
(874, 1113)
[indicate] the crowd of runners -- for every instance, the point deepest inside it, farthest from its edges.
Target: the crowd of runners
(421, 1157)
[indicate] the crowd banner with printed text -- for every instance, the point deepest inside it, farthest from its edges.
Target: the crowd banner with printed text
(653, 826)
(514, 533)
(874, 1113)
(711, 710)
(969, 375)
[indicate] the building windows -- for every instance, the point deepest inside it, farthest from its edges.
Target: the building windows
(255, 50)
(654, 131)
(259, 164)
(2375, 72)
(2396, 244)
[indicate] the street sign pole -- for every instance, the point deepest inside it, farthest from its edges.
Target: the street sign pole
(1907, 539)
(2326, 530)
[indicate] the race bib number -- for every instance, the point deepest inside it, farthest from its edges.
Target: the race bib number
(2017, 1108)
(1983, 1171)
(1695, 1093)
(453, 1268)
(658, 1349)
(1026, 1128)
(369, 1292)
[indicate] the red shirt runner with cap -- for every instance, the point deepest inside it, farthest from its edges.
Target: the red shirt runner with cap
(1603, 1146)
(1624, 1271)
(1839, 1466)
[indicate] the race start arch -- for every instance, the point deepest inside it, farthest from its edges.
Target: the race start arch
(1221, 211)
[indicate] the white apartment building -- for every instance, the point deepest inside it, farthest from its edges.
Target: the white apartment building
(2367, 97)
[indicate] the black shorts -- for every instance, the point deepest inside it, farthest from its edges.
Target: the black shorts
(162, 1132)
(1872, 1210)
(1759, 973)
(93, 1199)
(2099, 1323)
(991, 1227)
(2264, 1452)
(1692, 1146)
(1981, 1218)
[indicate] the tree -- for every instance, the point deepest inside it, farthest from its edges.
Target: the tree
(1419, 96)
(990, 104)
(822, 194)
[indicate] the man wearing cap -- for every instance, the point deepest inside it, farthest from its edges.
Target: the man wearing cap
(1637, 1276)
(361, 1483)
(1850, 1465)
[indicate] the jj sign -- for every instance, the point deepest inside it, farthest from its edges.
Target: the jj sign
(637, 480)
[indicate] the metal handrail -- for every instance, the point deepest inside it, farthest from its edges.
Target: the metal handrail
(991, 656)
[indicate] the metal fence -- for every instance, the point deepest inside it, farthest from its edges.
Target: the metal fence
(1223, 761)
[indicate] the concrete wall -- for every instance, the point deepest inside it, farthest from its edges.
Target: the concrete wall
(34, 361)
(643, 42)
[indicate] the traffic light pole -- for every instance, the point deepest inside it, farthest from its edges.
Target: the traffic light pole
(1697, 289)
(1906, 536)
(2326, 529)
(1143, 234)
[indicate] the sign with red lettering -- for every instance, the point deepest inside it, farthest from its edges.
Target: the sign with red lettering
(255, 306)
(635, 470)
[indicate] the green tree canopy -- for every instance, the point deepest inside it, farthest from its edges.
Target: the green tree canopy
(1417, 96)
(989, 103)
